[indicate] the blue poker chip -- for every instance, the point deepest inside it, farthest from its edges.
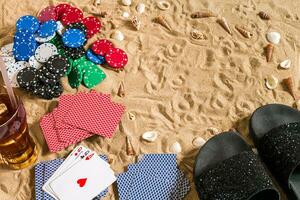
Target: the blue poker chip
(23, 50)
(24, 36)
(47, 29)
(97, 59)
(74, 38)
(28, 22)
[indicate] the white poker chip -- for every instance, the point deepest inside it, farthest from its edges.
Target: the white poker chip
(44, 39)
(45, 51)
(34, 63)
(13, 70)
(7, 49)
(60, 28)
(8, 60)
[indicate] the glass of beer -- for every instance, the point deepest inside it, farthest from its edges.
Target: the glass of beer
(17, 148)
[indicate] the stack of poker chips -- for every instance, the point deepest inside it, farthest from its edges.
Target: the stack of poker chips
(59, 30)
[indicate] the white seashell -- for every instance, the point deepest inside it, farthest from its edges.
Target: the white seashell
(273, 37)
(198, 142)
(140, 8)
(97, 2)
(213, 130)
(126, 2)
(271, 82)
(125, 14)
(131, 116)
(150, 136)
(118, 35)
(163, 5)
(175, 148)
(286, 64)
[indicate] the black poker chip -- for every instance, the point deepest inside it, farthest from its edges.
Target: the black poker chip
(46, 80)
(77, 25)
(57, 90)
(26, 78)
(44, 70)
(58, 64)
(74, 53)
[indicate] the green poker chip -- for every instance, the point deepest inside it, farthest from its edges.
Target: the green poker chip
(93, 76)
(75, 77)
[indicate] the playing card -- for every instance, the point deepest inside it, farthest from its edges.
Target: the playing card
(39, 181)
(50, 168)
(84, 180)
(182, 188)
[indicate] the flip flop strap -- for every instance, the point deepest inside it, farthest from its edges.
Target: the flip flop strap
(237, 178)
(280, 150)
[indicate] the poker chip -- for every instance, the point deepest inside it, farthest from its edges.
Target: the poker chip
(92, 24)
(58, 64)
(23, 50)
(71, 15)
(44, 39)
(13, 69)
(101, 47)
(48, 13)
(95, 58)
(74, 53)
(61, 9)
(7, 49)
(47, 29)
(34, 63)
(46, 80)
(75, 77)
(57, 90)
(26, 78)
(43, 91)
(93, 77)
(116, 58)
(27, 22)
(73, 38)
(24, 36)
(77, 25)
(45, 51)
(60, 28)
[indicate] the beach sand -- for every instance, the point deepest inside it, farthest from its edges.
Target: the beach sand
(181, 87)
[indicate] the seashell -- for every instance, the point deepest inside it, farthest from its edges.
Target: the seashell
(176, 148)
(121, 91)
(131, 116)
(162, 21)
(197, 35)
(273, 37)
(213, 130)
(163, 5)
(243, 32)
(126, 2)
(97, 2)
(140, 8)
(271, 82)
(286, 64)
(150, 136)
(289, 83)
(130, 150)
(136, 23)
(202, 14)
(118, 35)
(125, 14)
(198, 142)
(223, 22)
(269, 52)
(264, 15)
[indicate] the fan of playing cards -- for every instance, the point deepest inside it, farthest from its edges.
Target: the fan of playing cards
(82, 175)
(80, 116)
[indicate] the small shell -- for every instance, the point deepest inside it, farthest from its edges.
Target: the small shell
(197, 35)
(140, 8)
(264, 15)
(118, 35)
(97, 2)
(175, 148)
(269, 52)
(289, 83)
(271, 82)
(202, 14)
(163, 5)
(213, 130)
(136, 23)
(198, 142)
(121, 91)
(126, 2)
(162, 21)
(245, 33)
(286, 64)
(223, 22)
(130, 150)
(273, 37)
(125, 14)
(131, 116)
(150, 136)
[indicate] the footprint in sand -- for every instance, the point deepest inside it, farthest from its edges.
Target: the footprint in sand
(178, 82)
(175, 50)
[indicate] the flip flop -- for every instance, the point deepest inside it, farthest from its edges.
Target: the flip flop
(226, 168)
(275, 129)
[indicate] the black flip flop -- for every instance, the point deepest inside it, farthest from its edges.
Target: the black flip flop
(227, 169)
(275, 129)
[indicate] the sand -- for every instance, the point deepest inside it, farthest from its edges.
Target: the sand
(176, 85)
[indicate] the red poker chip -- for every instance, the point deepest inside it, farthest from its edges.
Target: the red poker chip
(116, 58)
(48, 13)
(101, 47)
(62, 8)
(71, 15)
(92, 24)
